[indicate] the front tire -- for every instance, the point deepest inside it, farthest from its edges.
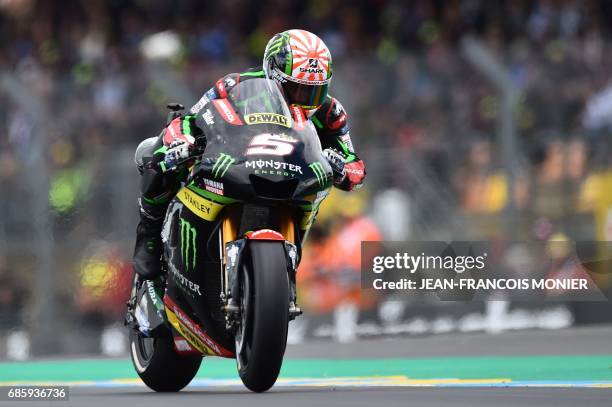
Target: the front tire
(266, 308)
(159, 366)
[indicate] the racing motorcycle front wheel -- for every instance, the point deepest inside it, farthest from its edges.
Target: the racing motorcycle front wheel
(262, 336)
(158, 365)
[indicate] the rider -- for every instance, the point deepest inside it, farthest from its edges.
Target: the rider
(300, 63)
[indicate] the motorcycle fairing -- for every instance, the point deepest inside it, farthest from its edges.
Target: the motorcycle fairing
(192, 331)
(193, 271)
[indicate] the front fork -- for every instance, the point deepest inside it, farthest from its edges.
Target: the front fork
(234, 257)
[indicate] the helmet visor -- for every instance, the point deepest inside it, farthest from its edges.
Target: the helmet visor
(306, 94)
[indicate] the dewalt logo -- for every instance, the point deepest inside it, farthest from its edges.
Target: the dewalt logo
(271, 118)
(189, 249)
(318, 170)
(222, 165)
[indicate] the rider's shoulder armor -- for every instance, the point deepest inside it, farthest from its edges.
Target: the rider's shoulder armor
(331, 121)
(224, 85)
(331, 118)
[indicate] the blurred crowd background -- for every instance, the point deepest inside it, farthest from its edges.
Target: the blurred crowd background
(83, 82)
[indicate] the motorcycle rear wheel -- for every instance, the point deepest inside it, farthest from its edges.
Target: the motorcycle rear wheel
(265, 308)
(159, 366)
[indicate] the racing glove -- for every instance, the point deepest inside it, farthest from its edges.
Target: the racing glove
(336, 161)
(347, 176)
(177, 153)
(355, 174)
(183, 141)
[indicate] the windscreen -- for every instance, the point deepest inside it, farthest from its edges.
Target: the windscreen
(260, 101)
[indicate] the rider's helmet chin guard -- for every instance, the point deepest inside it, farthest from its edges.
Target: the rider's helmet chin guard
(300, 63)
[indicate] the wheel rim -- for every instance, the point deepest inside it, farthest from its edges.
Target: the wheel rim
(147, 347)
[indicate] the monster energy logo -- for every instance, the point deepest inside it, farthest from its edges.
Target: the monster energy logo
(188, 243)
(317, 168)
(222, 165)
(275, 46)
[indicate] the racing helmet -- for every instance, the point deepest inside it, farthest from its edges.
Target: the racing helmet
(300, 63)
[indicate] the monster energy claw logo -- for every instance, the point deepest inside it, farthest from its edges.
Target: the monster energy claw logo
(275, 46)
(222, 165)
(317, 168)
(188, 243)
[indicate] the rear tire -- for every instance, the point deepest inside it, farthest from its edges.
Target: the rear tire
(268, 316)
(159, 366)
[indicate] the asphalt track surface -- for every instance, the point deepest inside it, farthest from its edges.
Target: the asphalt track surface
(595, 342)
(381, 396)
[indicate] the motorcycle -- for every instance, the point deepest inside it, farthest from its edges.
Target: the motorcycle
(232, 241)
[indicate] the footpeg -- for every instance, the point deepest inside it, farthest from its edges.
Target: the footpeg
(294, 311)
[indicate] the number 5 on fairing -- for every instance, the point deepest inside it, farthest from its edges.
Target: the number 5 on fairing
(271, 144)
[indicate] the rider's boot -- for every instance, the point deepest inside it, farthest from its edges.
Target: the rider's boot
(147, 298)
(148, 249)
(149, 313)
